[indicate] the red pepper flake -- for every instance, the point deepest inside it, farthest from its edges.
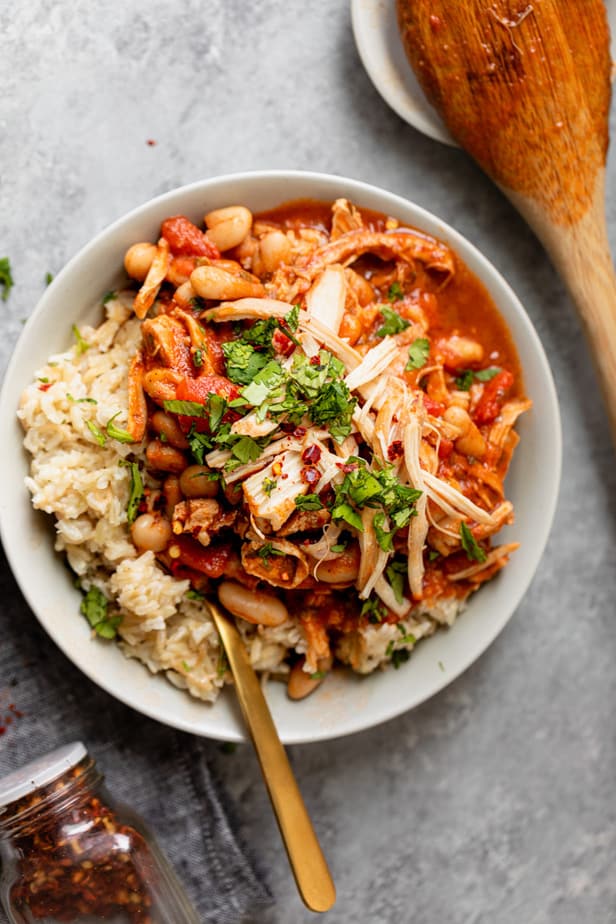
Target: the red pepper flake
(394, 450)
(299, 432)
(2, 730)
(16, 712)
(150, 142)
(311, 454)
(315, 360)
(45, 387)
(310, 475)
(346, 467)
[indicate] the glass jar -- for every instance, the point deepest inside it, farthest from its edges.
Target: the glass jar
(71, 853)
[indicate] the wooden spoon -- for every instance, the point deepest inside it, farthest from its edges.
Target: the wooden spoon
(524, 87)
(312, 875)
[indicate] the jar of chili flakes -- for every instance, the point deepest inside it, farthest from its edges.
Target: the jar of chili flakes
(70, 852)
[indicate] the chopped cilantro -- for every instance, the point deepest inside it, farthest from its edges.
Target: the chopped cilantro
(292, 317)
(267, 551)
(395, 293)
(82, 345)
(268, 485)
(318, 675)
(109, 296)
(333, 407)
(308, 502)
(94, 607)
(470, 545)
(396, 575)
(80, 400)
(419, 351)
(216, 407)
(339, 547)
(392, 323)
(246, 449)
(374, 609)
(187, 408)
(400, 657)
(466, 378)
(198, 358)
(98, 434)
(243, 361)
(6, 277)
(116, 433)
(44, 380)
(384, 538)
(433, 555)
(343, 511)
(136, 492)
(193, 594)
(484, 375)
(186, 666)
(48, 278)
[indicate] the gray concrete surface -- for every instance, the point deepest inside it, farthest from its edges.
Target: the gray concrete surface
(494, 802)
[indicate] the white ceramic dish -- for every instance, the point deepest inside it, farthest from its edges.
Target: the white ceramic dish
(378, 41)
(346, 703)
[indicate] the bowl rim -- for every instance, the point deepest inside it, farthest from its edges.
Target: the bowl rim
(488, 275)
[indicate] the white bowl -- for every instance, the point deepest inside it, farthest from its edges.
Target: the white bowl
(375, 27)
(346, 703)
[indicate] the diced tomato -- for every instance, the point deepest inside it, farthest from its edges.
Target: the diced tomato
(211, 560)
(281, 343)
(186, 239)
(494, 394)
(434, 408)
(199, 390)
(445, 448)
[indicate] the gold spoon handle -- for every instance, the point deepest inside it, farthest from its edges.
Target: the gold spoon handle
(308, 864)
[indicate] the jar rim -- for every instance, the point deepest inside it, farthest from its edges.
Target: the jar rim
(40, 772)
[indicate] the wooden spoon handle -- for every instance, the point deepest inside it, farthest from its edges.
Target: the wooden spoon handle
(581, 254)
(309, 866)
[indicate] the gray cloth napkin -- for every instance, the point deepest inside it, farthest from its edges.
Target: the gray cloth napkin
(161, 773)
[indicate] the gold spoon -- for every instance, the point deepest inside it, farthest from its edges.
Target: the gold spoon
(312, 876)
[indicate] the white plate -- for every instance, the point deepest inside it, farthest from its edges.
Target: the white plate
(380, 48)
(346, 703)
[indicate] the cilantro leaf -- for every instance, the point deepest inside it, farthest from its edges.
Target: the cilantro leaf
(136, 492)
(116, 433)
(48, 278)
(98, 434)
(374, 609)
(419, 351)
(187, 408)
(384, 538)
(465, 380)
(292, 318)
(82, 345)
(484, 375)
(470, 545)
(308, 502)
(6, 277)
(243, 361)
(267, 551)
(395, 293)
(246, 449)
(216, 407)
(343, 511)
(334, 407)
(392, 323)
(109, 296)
(400, 656)
(396, 575)
(192, 594)
(94, 607)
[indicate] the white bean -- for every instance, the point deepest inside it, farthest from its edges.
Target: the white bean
(252, 605)
(228, 227)
(138, 260)
(301, 684)
(195, 482)
(151, 532)
(217, 283)
(274, 249)
(165, 425)
(341, 570)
